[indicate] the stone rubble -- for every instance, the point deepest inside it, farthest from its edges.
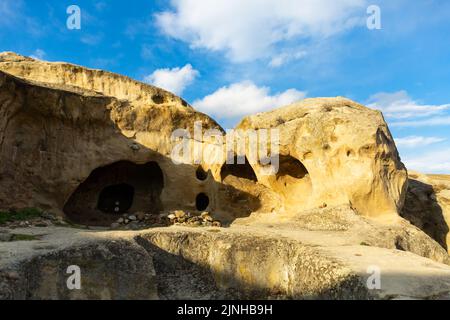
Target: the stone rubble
(141, 220)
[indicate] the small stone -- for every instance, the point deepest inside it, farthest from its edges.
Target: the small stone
(48, 216)
(140, 216)
(115, 225)
(41, 224)
(208, 218)
(217, 224)
(172, 217)
(135, 147)
(180, 214)
(132, 218)
(204, 214)
(127, 221)
(61, 222)
(13, 275)
(120, 220)
(134, 225)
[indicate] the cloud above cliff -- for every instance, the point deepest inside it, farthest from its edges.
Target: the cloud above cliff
(251, 29)
(399, 105)
(10, 11)
(437, 161)
(175, 80)
(243, 98)
(417, 141)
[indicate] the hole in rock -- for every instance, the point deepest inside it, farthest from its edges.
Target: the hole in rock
(201, 174)
(158, 98)
(290, 166)
(202, 202)
(244, 171)
(108, 192)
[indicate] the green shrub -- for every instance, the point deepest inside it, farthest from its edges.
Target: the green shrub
(20, 215)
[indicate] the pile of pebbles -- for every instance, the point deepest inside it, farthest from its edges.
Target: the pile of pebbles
(141, 220)
(205, 219)
(138, 220)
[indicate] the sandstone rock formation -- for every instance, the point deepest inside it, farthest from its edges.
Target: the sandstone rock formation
(428, 206)
(92, 146)
(68, 133)
(334, 151)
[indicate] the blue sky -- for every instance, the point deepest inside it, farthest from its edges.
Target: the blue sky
(230, 58)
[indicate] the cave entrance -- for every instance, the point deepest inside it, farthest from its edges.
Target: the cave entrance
(291, 167)
(292, 181)
(110, 191)
(244, 171)
(116, 199)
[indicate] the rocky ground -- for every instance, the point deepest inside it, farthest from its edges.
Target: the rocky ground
(136, 221)
(326, 254)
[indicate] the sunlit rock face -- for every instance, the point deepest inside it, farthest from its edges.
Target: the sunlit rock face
(61, 124)
(334, 151)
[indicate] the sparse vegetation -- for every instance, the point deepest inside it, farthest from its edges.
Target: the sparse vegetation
(20, 215)
(24, 237)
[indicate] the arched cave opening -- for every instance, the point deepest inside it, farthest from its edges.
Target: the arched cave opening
(110, 191)
(244, 171)
(116, 199)
(291, 167)
(202, 202)
(292, 181)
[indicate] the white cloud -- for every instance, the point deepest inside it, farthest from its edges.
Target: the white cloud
(244, 98)
(432, 162)
(174, 80)
(91, 39)
(10, 11)
(38, 54)
(428, 122)
(399, 105)
(417, 141)
(283, 58)
(251, 29)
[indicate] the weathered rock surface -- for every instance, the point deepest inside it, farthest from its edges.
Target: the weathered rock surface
(69, 132)
(234, 263)
(428, 206)
(334, 151)
(65, 132)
